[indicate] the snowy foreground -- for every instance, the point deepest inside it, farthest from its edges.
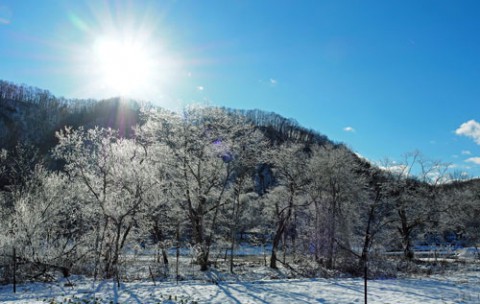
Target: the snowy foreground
(453, 288)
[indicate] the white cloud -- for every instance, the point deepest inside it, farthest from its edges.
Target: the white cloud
(401, 170)
(466, 152)
(273, 82)
(200, 88)
(475, 160)
(349, 129)
(470, 129)
(362, 157)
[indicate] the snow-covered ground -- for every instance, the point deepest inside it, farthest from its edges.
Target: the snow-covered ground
(459, 287)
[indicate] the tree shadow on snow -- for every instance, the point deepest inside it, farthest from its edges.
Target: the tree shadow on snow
(253, 290)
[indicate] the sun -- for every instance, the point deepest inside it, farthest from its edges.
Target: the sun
(123, 65)
(124, 51)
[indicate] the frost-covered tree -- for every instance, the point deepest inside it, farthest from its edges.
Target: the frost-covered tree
(465, 218)
(289, 166)
(3, 165)
(414, 188)
(334, 189)
(20, 164)
(205, 144)
(161, 212)
(43, 225)
(241, 211)
(114, 176)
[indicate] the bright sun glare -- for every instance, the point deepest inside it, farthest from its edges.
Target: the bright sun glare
(123, 66)
(124, 53)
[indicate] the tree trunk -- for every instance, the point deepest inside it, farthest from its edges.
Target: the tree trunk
(14, 270)
(203, 259)
(365, 280)
(364, 256)
(276, 241)
(331, 245)
(232, 248)
(165, 256)
(199, 240)
(166, 267)
(316, 232)
(405, 231)
(332, 232)
(116, 251)
(177, 252)
(282, 223)
(407, 249)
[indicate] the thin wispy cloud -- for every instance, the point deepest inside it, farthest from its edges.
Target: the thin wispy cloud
(5, 15)
(474, 160)
(470, 129)
(271, 82)
(200, 88)
(349, 129)
(466, 152)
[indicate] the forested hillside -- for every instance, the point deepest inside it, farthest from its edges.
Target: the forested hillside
(86, 184)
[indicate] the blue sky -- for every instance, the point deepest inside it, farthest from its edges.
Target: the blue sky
(384, 77)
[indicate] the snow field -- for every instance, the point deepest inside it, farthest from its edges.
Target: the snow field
(452, 288)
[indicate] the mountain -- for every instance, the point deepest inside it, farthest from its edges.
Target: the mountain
(31, 116)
